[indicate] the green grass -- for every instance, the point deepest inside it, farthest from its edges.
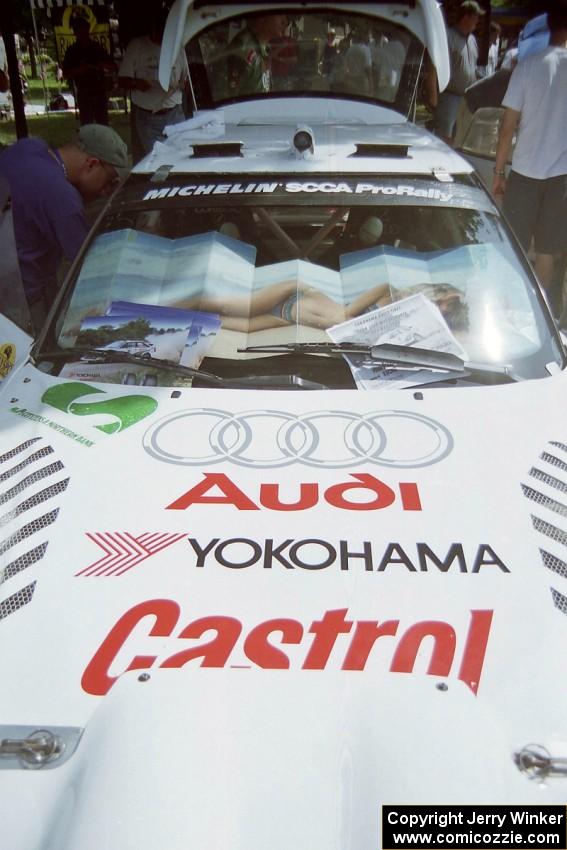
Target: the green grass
(35, 92)
(58, 127)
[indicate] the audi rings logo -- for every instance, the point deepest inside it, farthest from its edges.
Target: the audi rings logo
(264, 439)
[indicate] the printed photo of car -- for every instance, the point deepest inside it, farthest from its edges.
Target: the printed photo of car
(131, 346)
(314, 562)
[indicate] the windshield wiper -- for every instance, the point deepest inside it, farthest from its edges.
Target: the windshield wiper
(95, 355)
(389, 355)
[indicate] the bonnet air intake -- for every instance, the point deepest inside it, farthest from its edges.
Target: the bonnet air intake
(212, 149)
(367, 149)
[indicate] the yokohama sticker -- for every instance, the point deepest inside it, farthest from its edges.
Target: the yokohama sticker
(123, 551)
(264, 439)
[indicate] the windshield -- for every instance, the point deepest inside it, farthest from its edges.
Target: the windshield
(186, 274)
(312, 52)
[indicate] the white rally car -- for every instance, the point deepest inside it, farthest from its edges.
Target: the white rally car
(309, 557)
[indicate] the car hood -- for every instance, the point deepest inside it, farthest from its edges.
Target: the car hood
(421, 17)
(258, 609)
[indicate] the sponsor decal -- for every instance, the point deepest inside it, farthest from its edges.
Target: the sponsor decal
(375, 495)
(387, 190)
(7, 358)
(264, 439)
(125, 410)
(43, 420)
(399, 191)
(334, 640)
(312, 554)
(211, 189)
(122, 551)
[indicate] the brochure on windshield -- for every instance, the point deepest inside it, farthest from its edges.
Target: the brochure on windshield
(192, 273)
(215, 275)
(413, 322)
(143, 332)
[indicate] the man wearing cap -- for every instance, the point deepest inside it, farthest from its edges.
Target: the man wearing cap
(49, 187)
(463, 58)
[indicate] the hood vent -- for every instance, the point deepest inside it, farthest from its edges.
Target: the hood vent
(216, 149)
(545, 491)
(370, 150)
(23, 544)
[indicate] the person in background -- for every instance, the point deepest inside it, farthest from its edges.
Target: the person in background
(284, 57)
(249, 61)
(510, 57)
(329, 54)
(463, 57)
(493, 51)
(86, 64)
(153, 107)
(535, 193)
(49, 187)
(358, 65)
(388, 57)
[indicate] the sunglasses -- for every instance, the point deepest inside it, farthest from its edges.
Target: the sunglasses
(112, 175)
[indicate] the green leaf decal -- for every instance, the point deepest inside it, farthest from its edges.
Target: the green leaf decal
(127, 409)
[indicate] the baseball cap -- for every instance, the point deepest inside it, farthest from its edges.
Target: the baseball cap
(471, 7)
(104, 143)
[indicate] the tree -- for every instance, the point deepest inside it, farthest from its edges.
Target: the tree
(23, 25)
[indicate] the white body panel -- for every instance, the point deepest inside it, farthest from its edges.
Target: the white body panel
(256, 616)
(191, 756)
(267, 146)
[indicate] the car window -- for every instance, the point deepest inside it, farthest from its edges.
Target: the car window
(314, 52)
(414, 262)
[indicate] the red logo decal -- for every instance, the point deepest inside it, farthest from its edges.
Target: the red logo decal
(122, 551)
(227, 642)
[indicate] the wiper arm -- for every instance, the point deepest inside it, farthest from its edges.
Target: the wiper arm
(389, 355)
(285, 381)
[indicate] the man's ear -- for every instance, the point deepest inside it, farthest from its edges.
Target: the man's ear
(91, 162)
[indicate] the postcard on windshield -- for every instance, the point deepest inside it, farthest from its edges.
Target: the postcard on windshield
(202, 328)
(150, 333)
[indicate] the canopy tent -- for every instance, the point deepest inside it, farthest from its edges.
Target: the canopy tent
(49, 4)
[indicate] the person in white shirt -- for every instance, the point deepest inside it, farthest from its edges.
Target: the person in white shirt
(493, 51)
(358, 64)
(153, 107)
(388, 57)
(535, 192)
